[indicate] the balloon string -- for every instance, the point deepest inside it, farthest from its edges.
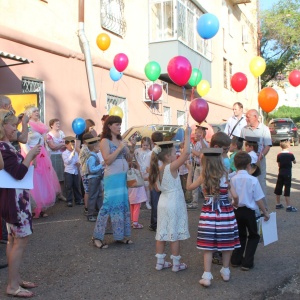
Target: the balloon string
(185, 104)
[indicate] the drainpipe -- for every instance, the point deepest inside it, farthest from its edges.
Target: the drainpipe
(87, 54)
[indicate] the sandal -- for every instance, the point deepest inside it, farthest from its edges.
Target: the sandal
(165, 265)
(28, 285)
(21, 293)
(43, 214)
(180, 267)
(125, 241)
(137, 226)
(100, 244)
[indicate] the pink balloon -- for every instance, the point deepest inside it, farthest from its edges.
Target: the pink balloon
(121, 62)
(199, 109)
(294, 78)
(179, 70)
(154, 91)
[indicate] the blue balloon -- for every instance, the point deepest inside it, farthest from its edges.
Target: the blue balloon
(208, 26)
(114, 74)
(78, 125)
(179, 136)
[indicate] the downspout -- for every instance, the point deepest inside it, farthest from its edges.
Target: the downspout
(87, 54)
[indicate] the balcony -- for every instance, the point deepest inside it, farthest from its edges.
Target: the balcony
(235, 2)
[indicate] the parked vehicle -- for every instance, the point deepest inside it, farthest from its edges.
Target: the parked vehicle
(284, 128)
(218, 127)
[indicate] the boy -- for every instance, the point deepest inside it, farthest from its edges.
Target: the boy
(71, 176)
(235, 146)
(250, 198)
(251, 147)
(284, 159)
(95, 175)
(200, 133)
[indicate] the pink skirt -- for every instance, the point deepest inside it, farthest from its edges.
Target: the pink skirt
(137, 195)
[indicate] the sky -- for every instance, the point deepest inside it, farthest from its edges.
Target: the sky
(265, 4)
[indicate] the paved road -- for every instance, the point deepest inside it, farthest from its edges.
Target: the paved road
(61, 260)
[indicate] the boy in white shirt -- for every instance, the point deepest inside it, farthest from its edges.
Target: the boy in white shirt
(250, 198)
(251, 147)
(71, 175)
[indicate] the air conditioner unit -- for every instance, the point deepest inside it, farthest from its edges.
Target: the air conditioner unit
(148, 84)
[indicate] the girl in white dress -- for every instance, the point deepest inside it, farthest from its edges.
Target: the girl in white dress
(172, 219)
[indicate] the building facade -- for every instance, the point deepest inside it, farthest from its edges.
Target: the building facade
(47, 32)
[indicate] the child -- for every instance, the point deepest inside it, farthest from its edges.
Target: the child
(140, 155)
(71, 176)
(235, 146)
(250, 196)
(251, 147)
(284, 160)
(95, 174)
(172, 219)
(217, 229)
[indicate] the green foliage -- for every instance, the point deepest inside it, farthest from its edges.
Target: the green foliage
(280, 45)
(286, 112)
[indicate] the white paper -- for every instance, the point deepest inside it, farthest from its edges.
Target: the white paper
(7, 181)
(269, 229)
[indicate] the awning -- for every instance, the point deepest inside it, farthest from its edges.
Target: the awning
(19, 59)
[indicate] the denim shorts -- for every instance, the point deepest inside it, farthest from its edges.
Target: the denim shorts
(85, 183)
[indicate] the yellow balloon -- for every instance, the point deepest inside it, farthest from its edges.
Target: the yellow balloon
(203, 87)
(116, 111)
(103, 41)
(257, 66)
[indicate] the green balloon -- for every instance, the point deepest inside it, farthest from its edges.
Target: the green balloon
(152, 70)
(195, 78)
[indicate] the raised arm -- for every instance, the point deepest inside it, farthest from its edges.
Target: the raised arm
(108, 157)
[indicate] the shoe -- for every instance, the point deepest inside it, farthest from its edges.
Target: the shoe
(180, 267)
(137, 226)
(92, 219)
(3, 266)
(279, 206)
(85, 211)
(291, 209)
(151, 228)
(148, 205)
(61, 197)
(225, 273)
(235, 266)
(99, 244)
(247, 268)
(217, 258)
(3, 241)
(21, 293)
(165, 265)
(206, 279)
(70, 204)
(191, 206)
(80, 203)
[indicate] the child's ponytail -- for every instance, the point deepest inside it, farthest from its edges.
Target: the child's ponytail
(154, 170)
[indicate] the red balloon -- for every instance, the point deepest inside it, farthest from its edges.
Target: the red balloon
(199, 109)
(267, 99)
(179, 70)
(294, 78)
(121, 62)
(239, 81)
(154, 91)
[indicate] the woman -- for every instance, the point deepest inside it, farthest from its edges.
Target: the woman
(46, 184)
(56, 145)
(15, 206)
(115, 204)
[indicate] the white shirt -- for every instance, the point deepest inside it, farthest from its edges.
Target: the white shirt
(197, 147)
(231, 123)
(248, 189)
(253, 156)
(70, 161)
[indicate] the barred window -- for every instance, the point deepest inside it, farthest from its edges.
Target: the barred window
(112, 100)
(230, 73)
(225, 72)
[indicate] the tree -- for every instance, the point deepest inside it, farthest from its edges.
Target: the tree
(280, 42)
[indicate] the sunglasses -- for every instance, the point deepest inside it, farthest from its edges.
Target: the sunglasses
(8, 114)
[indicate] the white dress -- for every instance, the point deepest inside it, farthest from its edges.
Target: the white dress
(172, 218)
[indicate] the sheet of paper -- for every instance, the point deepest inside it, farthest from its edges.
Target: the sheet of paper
(269, 229)
(7, 181)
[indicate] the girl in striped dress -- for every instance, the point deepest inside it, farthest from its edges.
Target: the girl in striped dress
(217, 228)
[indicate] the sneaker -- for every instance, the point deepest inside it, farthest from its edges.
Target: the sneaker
(148, 205)
(247, 268)
(151, 228)
(191, 206)
(70, 204)
(291, 209)
(85, 211)
(225, 273)
(92, 219)
(279, 206)
(61, 197)
(80, 203)
(206, 279)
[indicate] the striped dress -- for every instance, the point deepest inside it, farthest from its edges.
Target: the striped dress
(217, 228)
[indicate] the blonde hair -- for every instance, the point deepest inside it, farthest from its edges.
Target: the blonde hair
(285, 145)
(30, 110)
(154, 167)
(4, 119)
(212, 171)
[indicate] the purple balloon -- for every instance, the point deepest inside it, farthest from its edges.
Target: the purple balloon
(154, 91)
(199, 109)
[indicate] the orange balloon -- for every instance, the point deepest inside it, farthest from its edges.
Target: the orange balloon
(267, 99)
(103, 41)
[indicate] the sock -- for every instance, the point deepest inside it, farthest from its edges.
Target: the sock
(176, 260)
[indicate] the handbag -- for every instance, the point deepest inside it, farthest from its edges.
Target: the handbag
(134, 178)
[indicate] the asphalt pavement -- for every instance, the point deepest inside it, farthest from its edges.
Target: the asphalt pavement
(61, 259)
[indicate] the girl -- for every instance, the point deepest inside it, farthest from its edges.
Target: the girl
(172, 219)
(217, 229)
(140, 155)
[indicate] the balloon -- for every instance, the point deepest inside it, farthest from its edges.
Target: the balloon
(152, 70)
(209, 132)
(179, 70)
(294, 78)
(199, 109)
(203, 88)
(78, 125)
(267, 99)
(257, 66)
(154, 91)
(239, 81)
(114, 74)
(179, 136)
(103, 41)
(116, 111)
(196, 77)
(121, 62)
(208, 26)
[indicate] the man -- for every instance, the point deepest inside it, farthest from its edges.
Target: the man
(236, 122)
(200, 133)
(256, 129)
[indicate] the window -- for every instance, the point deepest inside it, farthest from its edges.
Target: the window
(245, 39)
(112, 100)
(230, 74)
(167, 115)
(225, 72)
(112, 16)
(180, 117)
